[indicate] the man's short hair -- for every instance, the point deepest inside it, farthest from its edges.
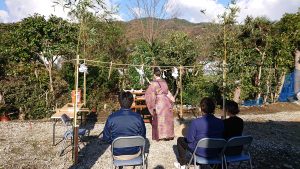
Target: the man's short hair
(232, 107)
(125, 99)
(157, 71)
(207, 105)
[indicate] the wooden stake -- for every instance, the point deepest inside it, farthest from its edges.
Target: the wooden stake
(76, 144)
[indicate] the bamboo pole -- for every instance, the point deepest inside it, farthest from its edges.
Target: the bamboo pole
(224, 69)
(180, 86)
(75, 126)
(84, 87)
(75, 114)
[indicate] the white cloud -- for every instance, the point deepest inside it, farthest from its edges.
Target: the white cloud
(272, 9)
(191, 9)
(186, 9)
(112, 6)
(19, 9)
(3, 16)
(117, 17)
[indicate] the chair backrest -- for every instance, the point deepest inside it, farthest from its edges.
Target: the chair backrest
(129, 141)
(211, 143)
(239, 141)
(67, 121)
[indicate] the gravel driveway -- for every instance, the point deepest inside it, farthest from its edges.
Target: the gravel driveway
(29, 145)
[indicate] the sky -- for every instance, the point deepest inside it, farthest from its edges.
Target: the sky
(16, 10)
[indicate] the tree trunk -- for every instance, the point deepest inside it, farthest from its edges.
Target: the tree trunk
(2, 100)
(50, 80)
(297, 59)
(263, 54)
(279, 88)
(49, 68)
(46, 97)
(237, 94)
(297, 72)
(268, 86)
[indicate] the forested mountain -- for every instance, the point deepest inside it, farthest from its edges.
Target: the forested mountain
(134, 30)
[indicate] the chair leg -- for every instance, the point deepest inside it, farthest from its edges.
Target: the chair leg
(240, 164)
(63, 146)
(222, 163)
(189, 164)
(250, 161)
(195, 163)
(143, 164)
(225, 163)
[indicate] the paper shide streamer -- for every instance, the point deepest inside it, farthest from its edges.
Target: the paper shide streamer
(163, 75)
(141, 73)
(121, 72)
(175, 72)
(83, 68)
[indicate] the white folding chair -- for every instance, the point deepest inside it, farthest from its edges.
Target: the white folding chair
(130, 141)
(209, 143)
(245, 143)
(67, 121)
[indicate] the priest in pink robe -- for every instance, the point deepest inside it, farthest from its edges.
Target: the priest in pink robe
(159, 102)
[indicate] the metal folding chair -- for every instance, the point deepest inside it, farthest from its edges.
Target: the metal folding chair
(209, 143)
(130, 141)
(245, 142)
(67, 121)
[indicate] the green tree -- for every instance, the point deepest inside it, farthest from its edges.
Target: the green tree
(45, 41)
(227, 52)
(32, 48)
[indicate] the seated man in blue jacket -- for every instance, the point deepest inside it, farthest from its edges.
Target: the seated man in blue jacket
(124, 123)
(207, 126)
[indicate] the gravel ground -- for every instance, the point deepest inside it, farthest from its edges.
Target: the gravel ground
(29, 145)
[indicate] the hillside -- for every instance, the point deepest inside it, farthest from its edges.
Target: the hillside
(201, 33)
(134, 29)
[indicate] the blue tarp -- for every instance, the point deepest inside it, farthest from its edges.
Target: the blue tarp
(257, 102)
(287, 91)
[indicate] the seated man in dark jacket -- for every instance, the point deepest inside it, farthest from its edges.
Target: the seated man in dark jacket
(207, 126)
(234, 126)
(124, 123)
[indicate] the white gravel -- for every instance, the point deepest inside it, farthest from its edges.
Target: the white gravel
(29, 145)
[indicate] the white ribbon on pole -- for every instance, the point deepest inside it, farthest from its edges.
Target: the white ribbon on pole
(141, 73)
(83, 68)
(175, 72)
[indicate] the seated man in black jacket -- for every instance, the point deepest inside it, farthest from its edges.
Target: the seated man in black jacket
(234, 125)
(124, 123)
